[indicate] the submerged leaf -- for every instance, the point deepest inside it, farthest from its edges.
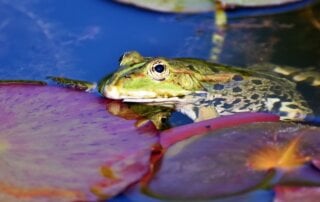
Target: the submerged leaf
(192, 6)
(179, 6)
(256, 3)
(62, 145)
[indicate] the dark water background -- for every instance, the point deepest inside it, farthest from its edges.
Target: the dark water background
(83, 39)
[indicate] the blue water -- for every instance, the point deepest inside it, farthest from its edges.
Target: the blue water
(83, 39)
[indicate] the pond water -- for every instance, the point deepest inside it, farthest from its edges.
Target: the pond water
(84, 39)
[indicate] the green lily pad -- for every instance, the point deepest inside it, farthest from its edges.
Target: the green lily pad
(236, 160)
(62, 145)
(192, 6)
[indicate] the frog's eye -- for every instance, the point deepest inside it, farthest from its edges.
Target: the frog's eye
(158, 71)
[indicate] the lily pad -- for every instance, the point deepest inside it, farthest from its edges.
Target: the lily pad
(62, 145)
(191, 6)
(236, 160)
(177, 134)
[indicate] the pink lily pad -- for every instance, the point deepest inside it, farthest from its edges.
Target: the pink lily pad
(220, 163)
(62, 145)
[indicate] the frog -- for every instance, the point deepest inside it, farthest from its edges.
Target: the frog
(201, 89)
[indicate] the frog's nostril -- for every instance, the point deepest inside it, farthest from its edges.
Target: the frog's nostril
(111, 92)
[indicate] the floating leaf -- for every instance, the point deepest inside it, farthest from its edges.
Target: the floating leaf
(62, 145)
(192, 6)
(221, 163)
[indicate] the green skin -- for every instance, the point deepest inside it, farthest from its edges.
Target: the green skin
(200, 89)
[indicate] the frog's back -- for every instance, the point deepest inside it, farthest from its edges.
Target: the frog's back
(250, 90)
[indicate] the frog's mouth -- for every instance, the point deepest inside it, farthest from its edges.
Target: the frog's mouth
(157, 101)
(149, 97)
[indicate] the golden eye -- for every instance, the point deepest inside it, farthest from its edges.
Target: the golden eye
(158, 71)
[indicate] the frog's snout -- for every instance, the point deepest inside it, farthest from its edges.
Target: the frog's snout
(111, 92)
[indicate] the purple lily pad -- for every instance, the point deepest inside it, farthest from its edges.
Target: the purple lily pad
(221, 163)
(174, 135)
(62, 145)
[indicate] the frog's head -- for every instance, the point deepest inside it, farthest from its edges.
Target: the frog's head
(145, 79)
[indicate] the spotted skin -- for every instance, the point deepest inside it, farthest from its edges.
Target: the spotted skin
(259, 95)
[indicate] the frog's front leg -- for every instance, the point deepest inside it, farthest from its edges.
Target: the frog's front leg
(72, 83)
(198, 113)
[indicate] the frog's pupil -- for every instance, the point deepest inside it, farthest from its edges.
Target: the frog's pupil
(159, 68)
